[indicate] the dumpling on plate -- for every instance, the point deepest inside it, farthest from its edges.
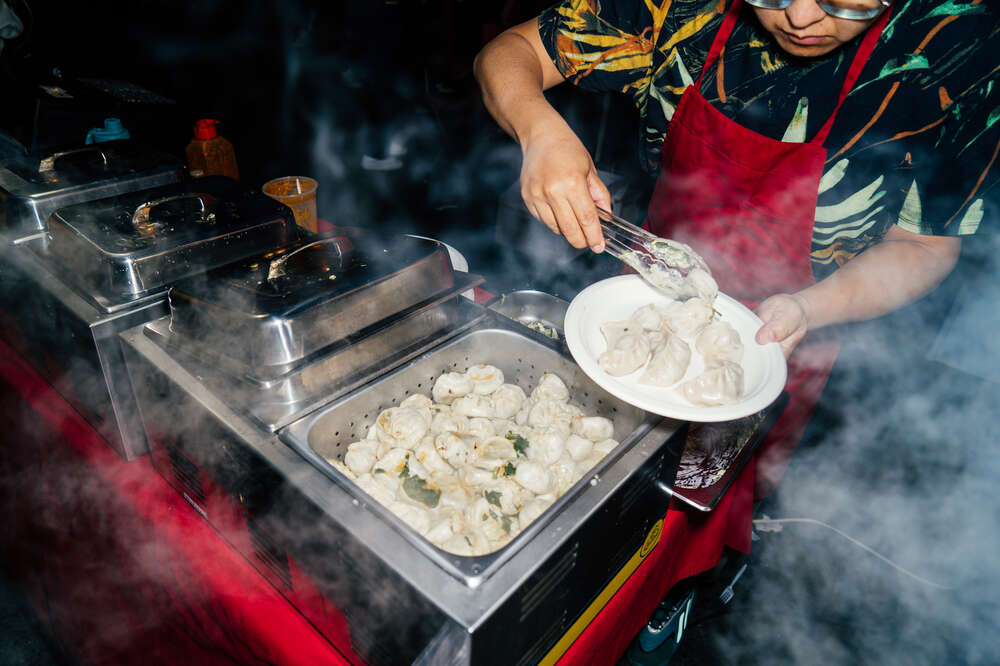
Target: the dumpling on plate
(719, 341)
(668, 364)
(614, 330)
(629, 354)
(649, 316)
(688, 317)
(720, 384)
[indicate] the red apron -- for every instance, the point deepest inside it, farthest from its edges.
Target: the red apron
(747, 204)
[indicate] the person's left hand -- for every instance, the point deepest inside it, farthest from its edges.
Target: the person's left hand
(785, 321)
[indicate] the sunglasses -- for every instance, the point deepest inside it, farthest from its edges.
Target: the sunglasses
(853, 10)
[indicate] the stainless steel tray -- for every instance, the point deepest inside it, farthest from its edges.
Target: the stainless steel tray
(268, 313)
(523, 359)
(126, 246)
(537, 310)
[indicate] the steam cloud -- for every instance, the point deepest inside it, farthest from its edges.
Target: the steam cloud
(899, 457)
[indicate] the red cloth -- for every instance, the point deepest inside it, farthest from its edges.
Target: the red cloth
(122, 570)
(118, 566)
(691, 543)
(747, 204)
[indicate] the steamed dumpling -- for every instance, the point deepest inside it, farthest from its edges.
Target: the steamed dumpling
(719, 341)
(668, 364)
(720, 384)
(701, 282)
(479, 428)
(578, 447)
(473, 405)
(451, 385)
(629, 354)
(657, 339)
(402, 426)
(550, 387)
(550, 413)
(507, 400)
(547, 446)
(455, 450)
(650, 317)
(594, 428)
(361, 456)
(614, 330)
(531, 510)
(534, 477)
(688, 317)
(485, 378)
(446, 421)
(417, 401)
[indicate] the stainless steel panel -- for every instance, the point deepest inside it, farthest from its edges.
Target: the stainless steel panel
(399, 604)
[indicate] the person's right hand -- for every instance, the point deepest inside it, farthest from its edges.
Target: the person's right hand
(560, 185)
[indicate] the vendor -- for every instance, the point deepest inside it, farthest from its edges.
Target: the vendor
(824, 156)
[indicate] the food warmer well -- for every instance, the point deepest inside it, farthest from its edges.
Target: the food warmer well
(267, 368)
(104, 266)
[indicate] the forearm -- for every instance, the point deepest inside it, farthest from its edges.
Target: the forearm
(899, 270)
(513, 78)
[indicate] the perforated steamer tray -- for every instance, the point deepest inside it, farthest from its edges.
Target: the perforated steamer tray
(523, 358)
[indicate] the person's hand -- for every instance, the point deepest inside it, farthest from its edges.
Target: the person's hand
(786, 321)
(560, 185)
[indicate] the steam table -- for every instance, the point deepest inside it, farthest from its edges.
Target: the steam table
(121, 570)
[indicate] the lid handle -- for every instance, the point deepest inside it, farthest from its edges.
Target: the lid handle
(142, 213)
(48, 165)
(277, 267)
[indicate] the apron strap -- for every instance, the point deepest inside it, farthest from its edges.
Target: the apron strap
(721, 37)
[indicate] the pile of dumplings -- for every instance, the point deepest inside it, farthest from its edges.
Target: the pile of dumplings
(658, 340)
(474, 463)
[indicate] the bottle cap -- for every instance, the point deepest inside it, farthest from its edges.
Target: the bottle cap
(205, 129)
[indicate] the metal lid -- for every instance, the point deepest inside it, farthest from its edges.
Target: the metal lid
(82, 165)
(32, 187)
(286, 305)
(127, 246)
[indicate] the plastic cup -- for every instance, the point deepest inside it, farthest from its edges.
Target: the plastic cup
(299, 194)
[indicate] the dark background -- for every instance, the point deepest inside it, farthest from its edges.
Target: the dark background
(376, 100)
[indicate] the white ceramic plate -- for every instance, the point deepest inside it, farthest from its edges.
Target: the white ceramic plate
(617, 298)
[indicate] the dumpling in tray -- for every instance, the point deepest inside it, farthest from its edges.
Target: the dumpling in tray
(668, 364)
(720, 384)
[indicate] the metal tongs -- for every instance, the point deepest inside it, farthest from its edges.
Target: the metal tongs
(670, 266)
